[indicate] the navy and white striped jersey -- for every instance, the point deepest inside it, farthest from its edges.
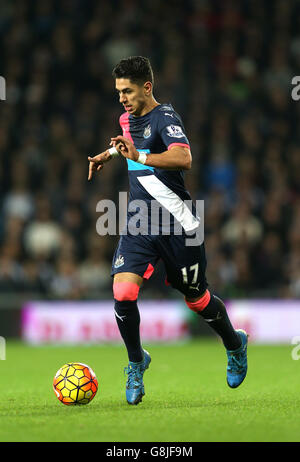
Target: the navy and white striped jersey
(156, 132)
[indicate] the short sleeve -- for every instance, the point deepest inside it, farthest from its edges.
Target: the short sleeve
(171, 129)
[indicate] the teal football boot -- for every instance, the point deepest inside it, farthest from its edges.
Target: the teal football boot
(237, 362)
(135, 386)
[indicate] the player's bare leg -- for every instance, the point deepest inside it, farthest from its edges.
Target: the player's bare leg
(126, 288)
(213, 311)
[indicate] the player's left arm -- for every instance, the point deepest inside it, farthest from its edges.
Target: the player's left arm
(176, 157)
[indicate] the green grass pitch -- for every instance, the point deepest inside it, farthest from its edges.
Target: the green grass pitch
(187, 398)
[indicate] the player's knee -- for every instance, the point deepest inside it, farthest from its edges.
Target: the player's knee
(125, 291)
(198, 305)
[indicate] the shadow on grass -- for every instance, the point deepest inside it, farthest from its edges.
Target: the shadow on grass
(111, 405)
(154, 402)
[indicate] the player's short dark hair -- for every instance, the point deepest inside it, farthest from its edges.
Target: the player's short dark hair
(135, 68)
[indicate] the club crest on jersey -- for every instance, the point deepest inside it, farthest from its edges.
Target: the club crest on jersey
(147, 131)
(119, 261)
(175, 131)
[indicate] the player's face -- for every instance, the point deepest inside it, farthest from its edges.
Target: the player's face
(132, 96)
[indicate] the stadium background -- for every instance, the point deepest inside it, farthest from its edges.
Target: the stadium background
(225, 66)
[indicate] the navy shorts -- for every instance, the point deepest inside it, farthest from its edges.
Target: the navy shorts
(185, 265)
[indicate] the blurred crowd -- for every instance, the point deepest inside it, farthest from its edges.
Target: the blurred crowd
(226, 67)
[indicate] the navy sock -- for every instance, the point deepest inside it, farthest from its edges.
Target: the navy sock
(216, 316)
(128, 320)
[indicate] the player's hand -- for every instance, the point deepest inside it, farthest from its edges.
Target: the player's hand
(125, 147)
(96, 162)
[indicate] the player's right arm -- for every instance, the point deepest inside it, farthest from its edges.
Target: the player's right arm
(96, 163)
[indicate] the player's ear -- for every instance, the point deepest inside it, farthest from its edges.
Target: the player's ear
(147, 88)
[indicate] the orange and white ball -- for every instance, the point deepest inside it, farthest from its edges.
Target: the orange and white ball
(75, 383)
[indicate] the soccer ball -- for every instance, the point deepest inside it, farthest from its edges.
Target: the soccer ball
(75, 383)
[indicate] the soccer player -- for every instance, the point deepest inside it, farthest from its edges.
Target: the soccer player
(158, 152)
